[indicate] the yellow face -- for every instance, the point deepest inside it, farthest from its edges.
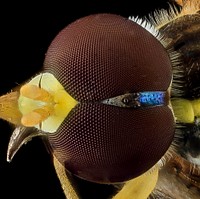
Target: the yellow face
(44, 103)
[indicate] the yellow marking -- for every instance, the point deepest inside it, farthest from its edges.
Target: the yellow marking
(183, 110)
(44, 107)
(186, 110)
(9, 110)
(67, 186)
(64, 103)
(140, 187)
(196, 107)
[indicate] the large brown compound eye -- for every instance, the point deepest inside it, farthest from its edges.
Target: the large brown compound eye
(119, 74)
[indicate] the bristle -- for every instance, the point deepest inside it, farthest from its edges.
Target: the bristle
(161, 17)
(178, 83)
(146, 24)
(174, 147)
(158, 19)
(165, 16)
(178, 138)
(163, 161)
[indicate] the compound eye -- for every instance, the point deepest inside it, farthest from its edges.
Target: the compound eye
(98, 58)
(107, 144)
(104, 55)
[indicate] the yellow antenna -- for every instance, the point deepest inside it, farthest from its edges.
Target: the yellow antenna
(44, 103)
(35, 93)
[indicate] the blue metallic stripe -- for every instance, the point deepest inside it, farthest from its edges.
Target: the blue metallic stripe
(140, 99)
(152, 98)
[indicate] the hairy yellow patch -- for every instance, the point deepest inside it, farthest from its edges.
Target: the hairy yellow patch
(186, 110)
(9, 108)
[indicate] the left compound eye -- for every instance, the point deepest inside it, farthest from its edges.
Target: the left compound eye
(97, 59)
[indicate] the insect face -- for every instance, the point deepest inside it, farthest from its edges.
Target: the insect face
(113, 68)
